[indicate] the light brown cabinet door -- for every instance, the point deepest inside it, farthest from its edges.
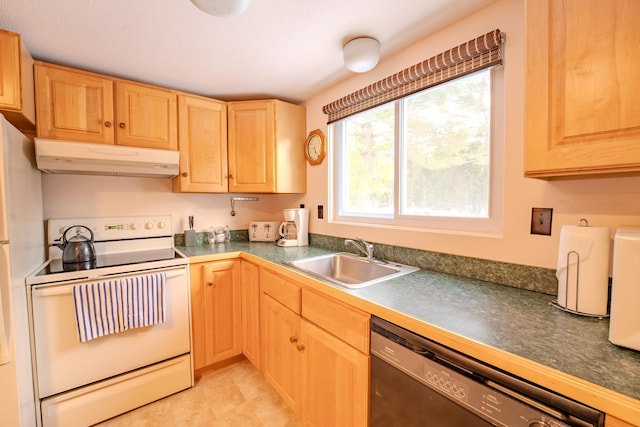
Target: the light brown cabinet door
(251, 312)
(146, 116)
(280, 337)
(73, 105)
(216, 311)
(582, 110)
(251, 146)
(202, 137)
(324, 379)
(16, 82)
(9, 70)
(335, 379)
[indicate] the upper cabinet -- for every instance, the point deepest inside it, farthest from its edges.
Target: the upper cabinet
(202, 136)
(73, 105)
(582, 109)
(16, 82)
(266, 147)
(80, 106)
(147, 116)
(239, 147)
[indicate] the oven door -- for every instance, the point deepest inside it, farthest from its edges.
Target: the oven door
(64, 363)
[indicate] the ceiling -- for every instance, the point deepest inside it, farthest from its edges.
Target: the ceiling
(289, 49)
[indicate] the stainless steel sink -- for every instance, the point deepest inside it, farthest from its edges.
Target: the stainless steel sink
(349, 270)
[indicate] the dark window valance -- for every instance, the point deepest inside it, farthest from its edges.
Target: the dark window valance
(480, 53)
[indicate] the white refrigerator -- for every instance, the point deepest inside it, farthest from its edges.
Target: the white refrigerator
(21, 252)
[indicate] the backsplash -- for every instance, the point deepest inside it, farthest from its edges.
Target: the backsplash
(519, 276)
(202, 238)
(515, 275)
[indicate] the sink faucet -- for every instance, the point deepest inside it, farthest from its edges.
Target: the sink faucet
(364, 247)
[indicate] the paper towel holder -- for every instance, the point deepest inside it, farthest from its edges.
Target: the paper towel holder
(566, 280)
(581, 223)
(555, 302)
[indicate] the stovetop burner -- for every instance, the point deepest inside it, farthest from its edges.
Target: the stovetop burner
(111, 260)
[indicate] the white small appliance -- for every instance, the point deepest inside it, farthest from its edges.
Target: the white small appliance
(624, 325)
(141, 356)
(264, 231)
(294, 231)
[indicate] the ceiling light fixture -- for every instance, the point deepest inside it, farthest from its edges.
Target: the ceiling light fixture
(222, 7)
(361, 54)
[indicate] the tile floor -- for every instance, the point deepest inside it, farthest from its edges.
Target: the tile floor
(237, 395)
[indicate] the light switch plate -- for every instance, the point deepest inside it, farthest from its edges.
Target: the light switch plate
(541, 221)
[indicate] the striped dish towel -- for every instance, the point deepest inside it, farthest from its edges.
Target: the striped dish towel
(98, 308)
(143, 300)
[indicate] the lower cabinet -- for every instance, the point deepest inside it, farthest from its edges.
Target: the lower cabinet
(216, 298)
(313, 349)
(281, 356)
(250, 311)
(314, 366)
(335, 380)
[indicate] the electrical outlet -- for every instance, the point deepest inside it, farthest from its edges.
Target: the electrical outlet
(541, 221)
(320, 211)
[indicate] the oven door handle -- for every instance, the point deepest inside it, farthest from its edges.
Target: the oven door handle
(175, 273)
(50, 291)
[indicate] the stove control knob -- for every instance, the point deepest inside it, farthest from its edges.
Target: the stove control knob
(161, 225)
(132, 226)
(62, 229)
(148, 225)
(537, 423)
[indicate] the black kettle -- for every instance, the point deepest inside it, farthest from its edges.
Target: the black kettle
(79, 248)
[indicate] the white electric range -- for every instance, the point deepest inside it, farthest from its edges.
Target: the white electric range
(83, 383)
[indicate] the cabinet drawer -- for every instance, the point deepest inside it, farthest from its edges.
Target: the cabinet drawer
(345, 322)
(280, 289)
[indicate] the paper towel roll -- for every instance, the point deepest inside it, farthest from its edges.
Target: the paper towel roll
(583, 286)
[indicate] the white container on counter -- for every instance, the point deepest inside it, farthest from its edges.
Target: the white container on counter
(624, 325)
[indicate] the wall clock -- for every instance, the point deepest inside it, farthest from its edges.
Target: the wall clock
(315, 148)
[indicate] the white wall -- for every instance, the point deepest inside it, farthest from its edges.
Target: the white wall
(71, 196)
(604, 201)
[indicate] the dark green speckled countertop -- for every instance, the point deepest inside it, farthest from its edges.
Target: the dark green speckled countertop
(518, 321)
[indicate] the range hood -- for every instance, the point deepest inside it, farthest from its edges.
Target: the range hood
(54, 156)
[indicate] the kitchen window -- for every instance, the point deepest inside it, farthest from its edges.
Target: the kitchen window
(428, 160)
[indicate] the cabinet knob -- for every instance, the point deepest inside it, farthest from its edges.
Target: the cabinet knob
(210, 283)
(107, 124)
(185, 174)
(122, 125)
(230, 176)
(293, 339)
(300, 347)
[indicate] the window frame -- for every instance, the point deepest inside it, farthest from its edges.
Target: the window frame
(491, 226)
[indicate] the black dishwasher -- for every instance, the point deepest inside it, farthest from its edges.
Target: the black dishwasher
(417, 382)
